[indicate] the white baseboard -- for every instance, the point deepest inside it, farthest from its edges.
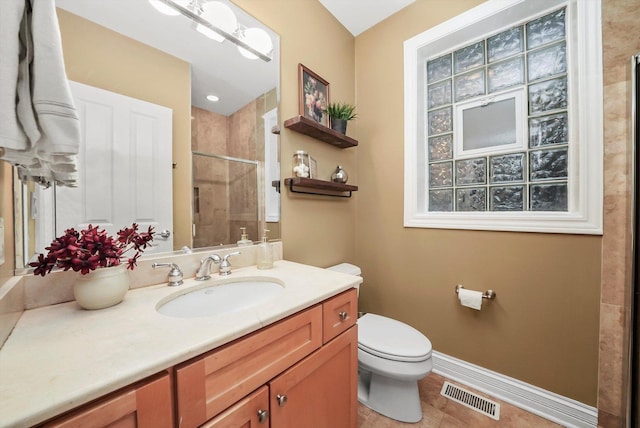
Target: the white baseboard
(546, 404)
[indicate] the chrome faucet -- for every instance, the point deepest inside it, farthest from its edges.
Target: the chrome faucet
(175, 274)
(205, 266)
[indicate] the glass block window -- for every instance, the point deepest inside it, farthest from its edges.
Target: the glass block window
(504, 119)
(478, 84)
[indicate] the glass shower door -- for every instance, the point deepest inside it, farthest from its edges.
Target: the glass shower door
(634, 420)
(226, 196)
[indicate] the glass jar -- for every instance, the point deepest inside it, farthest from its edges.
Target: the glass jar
(301, 164)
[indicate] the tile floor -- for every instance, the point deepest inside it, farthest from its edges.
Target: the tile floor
(441, 412)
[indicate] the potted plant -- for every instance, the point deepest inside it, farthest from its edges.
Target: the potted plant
(340, 114)
(101, 259)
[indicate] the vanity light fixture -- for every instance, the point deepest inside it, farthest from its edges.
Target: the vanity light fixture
(217, 21)
(257, 38)
(163, 8)
(220, 15)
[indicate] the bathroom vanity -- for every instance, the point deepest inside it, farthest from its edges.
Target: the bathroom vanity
(291, 361)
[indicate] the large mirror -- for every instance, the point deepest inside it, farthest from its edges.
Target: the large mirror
(224, 155)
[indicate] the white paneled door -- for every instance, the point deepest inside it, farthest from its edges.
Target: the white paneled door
(124, 167)
(271, 167)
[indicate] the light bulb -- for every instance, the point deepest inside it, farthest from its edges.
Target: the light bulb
(258, 39)
(219, 15)
(164, 8)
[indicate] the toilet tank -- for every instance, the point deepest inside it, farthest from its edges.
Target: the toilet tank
(349, 269)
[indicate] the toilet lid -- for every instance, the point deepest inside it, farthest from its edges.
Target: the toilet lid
(391, 339)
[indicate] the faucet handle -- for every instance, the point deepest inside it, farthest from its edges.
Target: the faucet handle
(175, 274)
(225, 266)
(226, 257)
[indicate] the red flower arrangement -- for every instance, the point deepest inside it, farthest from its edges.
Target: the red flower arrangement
(92, 248)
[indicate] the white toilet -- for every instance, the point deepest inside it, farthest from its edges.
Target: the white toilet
(392, 357)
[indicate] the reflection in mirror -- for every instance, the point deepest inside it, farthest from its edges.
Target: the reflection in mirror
(214, 176)
(225, 149)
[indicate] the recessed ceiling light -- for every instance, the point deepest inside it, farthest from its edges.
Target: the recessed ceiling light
(213, 98)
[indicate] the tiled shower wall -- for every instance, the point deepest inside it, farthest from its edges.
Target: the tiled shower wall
(621, 40)
(227, 191)
(209, 135)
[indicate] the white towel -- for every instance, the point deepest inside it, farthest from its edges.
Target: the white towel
(47, 131)
(11, 52)
(51, 97)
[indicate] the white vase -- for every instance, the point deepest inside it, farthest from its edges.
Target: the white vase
(102, 287)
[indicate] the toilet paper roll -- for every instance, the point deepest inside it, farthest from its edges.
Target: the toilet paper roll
(470, 298)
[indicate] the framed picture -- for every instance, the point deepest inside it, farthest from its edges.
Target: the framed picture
(314, 95)
(313, 168)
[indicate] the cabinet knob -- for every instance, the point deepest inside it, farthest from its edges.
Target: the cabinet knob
(343, 315)
(263, 416)
(282, 400)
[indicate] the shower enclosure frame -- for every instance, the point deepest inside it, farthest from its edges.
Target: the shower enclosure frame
(633, 403)
(259, 179)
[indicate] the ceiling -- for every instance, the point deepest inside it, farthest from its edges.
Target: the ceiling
(359, 15)
(216, 68)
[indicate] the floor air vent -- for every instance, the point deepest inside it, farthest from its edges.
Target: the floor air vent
(471, 400)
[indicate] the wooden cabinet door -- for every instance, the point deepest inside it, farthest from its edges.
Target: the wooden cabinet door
(250, 412)
(210, 384)
(146, 405)
(320, 391)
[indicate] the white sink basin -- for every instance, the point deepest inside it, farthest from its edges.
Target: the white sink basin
(222, 298)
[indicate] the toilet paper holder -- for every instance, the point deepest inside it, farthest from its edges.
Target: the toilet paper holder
(489, 294)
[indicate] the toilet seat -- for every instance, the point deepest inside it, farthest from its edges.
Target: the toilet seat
(391, 339)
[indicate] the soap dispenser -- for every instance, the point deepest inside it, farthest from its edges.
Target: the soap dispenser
(244, 238)
(264, 257)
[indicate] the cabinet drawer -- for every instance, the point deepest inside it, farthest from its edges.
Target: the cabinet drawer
(339, 313)
(147, 405)
(215, 381)
(246, 413)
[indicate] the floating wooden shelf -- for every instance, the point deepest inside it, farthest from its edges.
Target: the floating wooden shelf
(313, 186)
(320, 132)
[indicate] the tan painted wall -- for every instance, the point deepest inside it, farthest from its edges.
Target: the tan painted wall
(99, 57)
(6, 212)
(543, 326)
(317, 230)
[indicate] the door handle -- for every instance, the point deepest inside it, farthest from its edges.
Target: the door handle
(165, 234)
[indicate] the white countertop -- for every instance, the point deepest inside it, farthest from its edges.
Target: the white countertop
(59, 357)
